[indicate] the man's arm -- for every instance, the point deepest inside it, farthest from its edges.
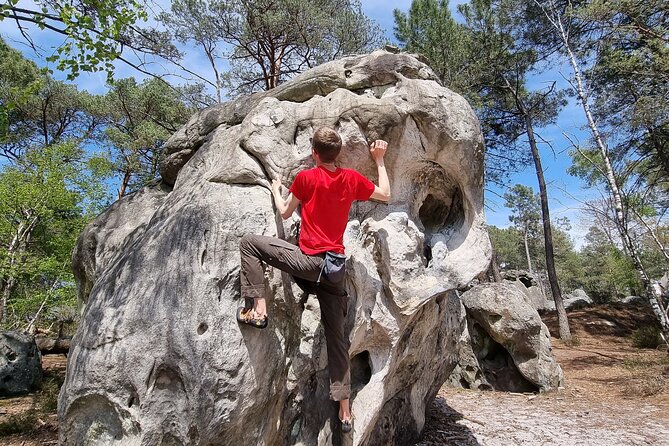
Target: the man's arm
(378, 151)
(287, 206)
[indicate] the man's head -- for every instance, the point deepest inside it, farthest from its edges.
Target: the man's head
(327, 144)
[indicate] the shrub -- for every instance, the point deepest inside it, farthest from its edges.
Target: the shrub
(647, 337)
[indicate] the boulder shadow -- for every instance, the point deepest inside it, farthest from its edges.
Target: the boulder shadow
(442, 427)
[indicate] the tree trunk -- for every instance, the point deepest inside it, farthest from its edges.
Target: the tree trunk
(527, 250)
(494, 267)
(563, 322)
(124, 184)
(50, 346)
(16, 251)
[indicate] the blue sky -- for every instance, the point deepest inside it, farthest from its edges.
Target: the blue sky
(565, 192)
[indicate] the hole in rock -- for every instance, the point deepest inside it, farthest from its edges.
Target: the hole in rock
(526, 281)
(501, 372)
(202, 328)
(441, 212)
(168, 379)
(438, 202)
(133, 400)
(433, 213)
(427, 253)
(361, 370)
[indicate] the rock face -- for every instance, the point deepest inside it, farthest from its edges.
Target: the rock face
(502, 312)
(20, 363)
(159, 357)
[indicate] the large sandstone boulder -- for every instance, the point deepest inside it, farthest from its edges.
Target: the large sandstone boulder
(509, 332)
(159, 357)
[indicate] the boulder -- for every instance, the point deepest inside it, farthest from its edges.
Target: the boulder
(501, 311)
(577, 299)
(633, 300)
(159, 358)
(20, 363)
(532, 288)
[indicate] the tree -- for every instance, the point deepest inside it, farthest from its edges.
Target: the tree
(45, 200)
(268, 41)
(95, 31)
(430, 29)
(48, 184)
(19, 78)
(609, 274)
(495, 38)
(508, 246)
(629, 76)
(525, 215)
(514, 58)
(559, 16)
(40, 110)
(138, 119)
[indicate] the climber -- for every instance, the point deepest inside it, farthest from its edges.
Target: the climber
(326, 193)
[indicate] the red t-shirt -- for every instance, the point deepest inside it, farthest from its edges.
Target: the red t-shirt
(326, 199)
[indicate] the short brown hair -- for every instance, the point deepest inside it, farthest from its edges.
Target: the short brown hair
(327, 143)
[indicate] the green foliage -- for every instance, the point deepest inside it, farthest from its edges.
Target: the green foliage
(525, 208)
(509, 248)
(96, 30)
(45, 201)
(40, 110)
(630, 74)
(139, 118)
(487, 59)
(19, 79)
(647, 336)
(430, 29)
(508, 245)
(609, 273)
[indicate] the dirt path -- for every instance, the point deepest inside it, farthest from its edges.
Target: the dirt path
(614, 395)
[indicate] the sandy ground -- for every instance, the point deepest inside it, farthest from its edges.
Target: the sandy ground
(614, 395)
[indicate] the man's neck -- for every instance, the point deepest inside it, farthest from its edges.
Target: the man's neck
(329, 166)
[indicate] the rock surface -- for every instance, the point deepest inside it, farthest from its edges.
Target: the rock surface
(576, 299)
(159, 357)
(503, 313)
(633, 300)
(530, 285)
(20, 363)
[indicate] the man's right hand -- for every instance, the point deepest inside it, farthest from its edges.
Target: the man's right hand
(378, 150)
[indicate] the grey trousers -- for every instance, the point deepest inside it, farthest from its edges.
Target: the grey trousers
(332, 298)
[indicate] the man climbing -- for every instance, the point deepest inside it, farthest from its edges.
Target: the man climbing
(326, 193)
